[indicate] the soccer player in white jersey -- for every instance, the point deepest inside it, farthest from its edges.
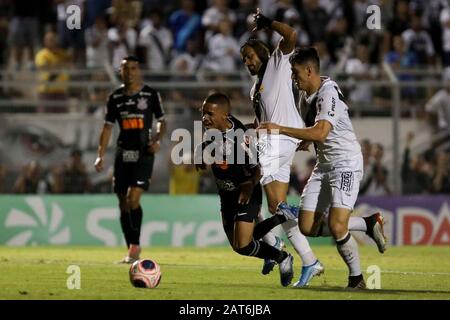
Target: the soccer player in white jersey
(273, 100)
(334, 183)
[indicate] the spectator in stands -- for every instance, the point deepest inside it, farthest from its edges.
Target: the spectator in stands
(398, 24)
(187, 63)
(52, 62)
(214, 15)
(72, 177)
(438, 107)
(445, 26)
(127, 12)
(244, 9)
(23, 30)
(4, 25)
(416, 172)
(378, 175)
(291, 17)
(185, 24)
(72, 40)
(97, 51)
(441, 178)
(315, 19)
(184, 178)
(122, 42)
(324, 55)
(29, 179)
(366, 150)
(223, 50)
(360, 68)
(339, 43)
(418, 41)
(157, 42)
(400, 58)
(3, 172)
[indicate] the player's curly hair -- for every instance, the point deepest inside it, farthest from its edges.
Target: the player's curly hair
(261, 49)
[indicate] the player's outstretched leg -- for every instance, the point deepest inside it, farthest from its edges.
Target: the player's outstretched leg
(263, 231)
(260, 249)
(372, 225)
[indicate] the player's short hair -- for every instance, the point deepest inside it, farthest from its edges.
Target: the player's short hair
(220, 99)
(306, 55)
(261, 49)
(131, 58)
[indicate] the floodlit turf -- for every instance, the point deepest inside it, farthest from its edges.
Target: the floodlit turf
(216, 273)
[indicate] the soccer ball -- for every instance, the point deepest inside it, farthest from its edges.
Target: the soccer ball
(145, 274)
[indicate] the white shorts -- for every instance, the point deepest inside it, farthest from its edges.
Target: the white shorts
(331, 186)
(275, 159)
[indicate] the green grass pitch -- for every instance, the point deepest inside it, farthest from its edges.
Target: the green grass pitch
(216, 273)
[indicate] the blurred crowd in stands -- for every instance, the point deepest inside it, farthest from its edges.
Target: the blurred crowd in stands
(187, 37)
(188, 34)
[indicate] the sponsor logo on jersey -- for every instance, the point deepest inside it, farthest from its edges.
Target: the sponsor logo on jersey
(333, 107)
(142, 104)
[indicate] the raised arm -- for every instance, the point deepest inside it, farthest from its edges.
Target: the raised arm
(289, 35)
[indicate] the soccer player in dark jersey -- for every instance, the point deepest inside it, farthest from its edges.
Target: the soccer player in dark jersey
(238, 186)
(133, 105)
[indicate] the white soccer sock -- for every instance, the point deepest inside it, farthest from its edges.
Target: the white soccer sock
(357, 224)
(299, 241)
(348, 249)
(269, 237)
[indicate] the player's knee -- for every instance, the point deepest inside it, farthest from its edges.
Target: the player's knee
(133, 201)
(338, 229)
(306, 230)
(245, 250)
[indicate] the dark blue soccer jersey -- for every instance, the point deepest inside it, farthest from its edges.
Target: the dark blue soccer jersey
(134, 115)
(237, 159)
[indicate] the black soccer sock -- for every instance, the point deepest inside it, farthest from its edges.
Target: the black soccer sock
(125, 223)
(260, 249)
(263, 227)
(136, 222)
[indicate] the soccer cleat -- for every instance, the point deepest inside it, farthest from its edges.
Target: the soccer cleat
(308, 272)
(375, 230)
(133, 254)
(356, 283)
(289, 212)
(126, 260)
(270, 264)
(286, 270)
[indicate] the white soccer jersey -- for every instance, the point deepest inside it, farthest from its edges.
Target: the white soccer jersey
(341, 144)
(277, 95)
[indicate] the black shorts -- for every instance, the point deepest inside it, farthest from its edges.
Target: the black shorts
(232, 211)
(132, 174)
